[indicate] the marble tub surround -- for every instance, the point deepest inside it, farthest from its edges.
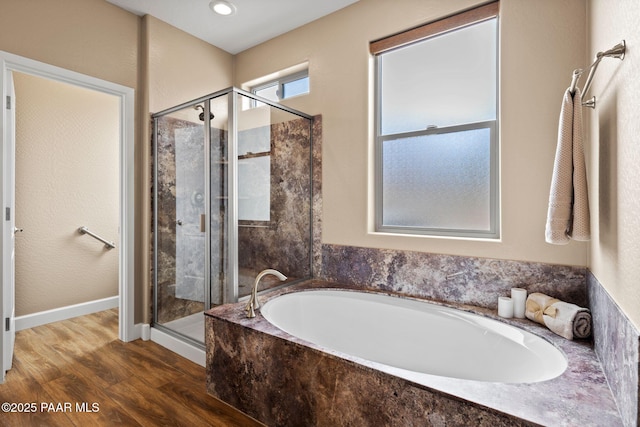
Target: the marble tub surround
(617, 344)
(466, 280)
(283, 380)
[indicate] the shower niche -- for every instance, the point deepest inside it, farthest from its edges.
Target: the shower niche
(232, 196)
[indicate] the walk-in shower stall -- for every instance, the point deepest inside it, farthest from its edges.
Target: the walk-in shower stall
(231, 196)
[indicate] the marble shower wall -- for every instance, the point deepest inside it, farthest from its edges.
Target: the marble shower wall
(284, 242)
(181, 197)
(169, 307)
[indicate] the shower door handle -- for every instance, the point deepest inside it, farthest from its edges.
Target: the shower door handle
(203, 223)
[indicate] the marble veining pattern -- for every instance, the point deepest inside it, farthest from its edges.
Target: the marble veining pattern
(350, 389)
(283, 380)
(316, 161)
(170, 307)
(466, 280)
(285, 242)
(617, 344)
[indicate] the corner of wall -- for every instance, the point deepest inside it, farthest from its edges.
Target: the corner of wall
(617, 344)
(143, 218)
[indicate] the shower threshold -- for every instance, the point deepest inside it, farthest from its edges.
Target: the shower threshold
(191, 326)
(183, 340)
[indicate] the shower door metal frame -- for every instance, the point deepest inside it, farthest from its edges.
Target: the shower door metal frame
(230, 293)
(255, 98)
(207, 205)
(207, 208)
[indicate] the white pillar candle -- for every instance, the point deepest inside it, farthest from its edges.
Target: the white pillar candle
(505, 307)
(519, 297)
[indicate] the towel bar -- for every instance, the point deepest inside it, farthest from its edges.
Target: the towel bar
(107, 244)
(617, 51)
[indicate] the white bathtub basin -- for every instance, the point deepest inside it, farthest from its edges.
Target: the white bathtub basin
(416, 336)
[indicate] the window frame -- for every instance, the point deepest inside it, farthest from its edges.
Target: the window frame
(493, 231)
(414, 36)
(280, 82)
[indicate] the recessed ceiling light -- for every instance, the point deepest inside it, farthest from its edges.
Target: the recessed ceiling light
(222, 7)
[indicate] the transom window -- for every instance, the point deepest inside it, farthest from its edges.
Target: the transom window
(284, 87)
(436, 127)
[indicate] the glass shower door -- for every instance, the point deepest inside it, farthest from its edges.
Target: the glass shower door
(181, 221)
(233, 196)
(274, 194)
(220, 281)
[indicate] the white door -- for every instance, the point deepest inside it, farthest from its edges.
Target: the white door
(8, 230)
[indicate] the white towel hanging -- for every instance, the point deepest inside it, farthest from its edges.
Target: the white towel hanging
(568, 214)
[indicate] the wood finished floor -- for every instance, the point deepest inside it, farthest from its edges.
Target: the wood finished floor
(81, 360)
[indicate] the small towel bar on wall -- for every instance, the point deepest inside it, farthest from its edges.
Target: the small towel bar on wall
(617, 51)
(107, 244)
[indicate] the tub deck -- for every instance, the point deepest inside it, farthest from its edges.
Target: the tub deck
(283, 380)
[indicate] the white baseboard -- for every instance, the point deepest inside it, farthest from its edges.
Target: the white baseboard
(186, 350)
(136, 332)
(49, 316)
(145, 332)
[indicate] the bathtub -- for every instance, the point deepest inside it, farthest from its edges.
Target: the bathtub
(281, 379)
(416, 336)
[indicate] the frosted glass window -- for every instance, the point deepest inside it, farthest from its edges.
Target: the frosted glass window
(442, 81)
(438, 181)
(436, 134)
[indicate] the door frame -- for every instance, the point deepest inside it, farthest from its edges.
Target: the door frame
(127, 330)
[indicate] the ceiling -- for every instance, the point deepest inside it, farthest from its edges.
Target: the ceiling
(254, 22)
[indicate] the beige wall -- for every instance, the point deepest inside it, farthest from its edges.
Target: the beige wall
(541, 43)
(176, 68)
(164, 65)
(88, 36)
(614, 150)
(67, 143)
(182, 67)
(92, 37)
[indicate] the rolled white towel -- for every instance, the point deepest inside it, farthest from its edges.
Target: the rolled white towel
(565, 319)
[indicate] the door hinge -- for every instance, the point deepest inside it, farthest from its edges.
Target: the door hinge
(8, 102)
(7, 324)
(7, 214)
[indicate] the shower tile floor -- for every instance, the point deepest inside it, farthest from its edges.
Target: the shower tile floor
(191, 326)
